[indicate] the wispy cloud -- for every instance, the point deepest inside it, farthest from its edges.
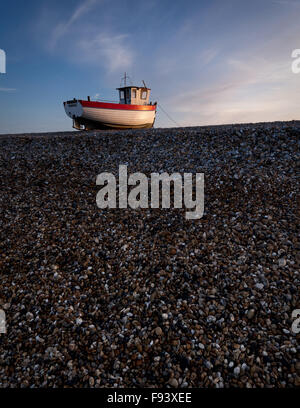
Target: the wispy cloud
(208, 55)
(287, 3)
(110, 49)
(63, 27)
(7, 89)
(169, 63)
(251, 89)
(200, 66)
(104, 47)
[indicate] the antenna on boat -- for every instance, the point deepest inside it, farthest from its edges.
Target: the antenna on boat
(124, 79)
(144, 83)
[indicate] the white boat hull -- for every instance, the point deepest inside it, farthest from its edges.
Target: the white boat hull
(110, 115)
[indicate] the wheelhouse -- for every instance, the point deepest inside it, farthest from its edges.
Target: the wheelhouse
(134, 95)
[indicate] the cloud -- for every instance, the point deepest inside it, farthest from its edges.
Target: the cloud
(208, 55)
(204, 70)
(73, 38)
(7, 89)
(167, 64)
(287, 3)
(249, 90)
(108, 49)
(63, 27)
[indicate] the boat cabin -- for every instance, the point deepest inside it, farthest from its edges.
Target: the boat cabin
(134, 95)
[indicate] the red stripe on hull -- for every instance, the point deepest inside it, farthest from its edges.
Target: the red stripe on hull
(119, 106)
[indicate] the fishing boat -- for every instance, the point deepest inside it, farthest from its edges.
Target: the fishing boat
(133, 111)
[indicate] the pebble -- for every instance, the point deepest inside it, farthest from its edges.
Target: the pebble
(29, 316)
(173, 382)
(282, 262)
(145, 296)
(237, 371)
(250, 313)
(158, 331)
(208, 365)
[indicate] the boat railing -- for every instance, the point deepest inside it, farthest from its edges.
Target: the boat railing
(109, 101)
(105, 100)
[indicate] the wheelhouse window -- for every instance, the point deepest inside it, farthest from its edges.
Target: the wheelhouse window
(144, 95)
(122, 95)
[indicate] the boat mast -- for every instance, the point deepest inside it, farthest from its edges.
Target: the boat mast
(124, 79)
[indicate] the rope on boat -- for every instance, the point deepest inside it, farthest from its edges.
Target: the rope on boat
(169, 115)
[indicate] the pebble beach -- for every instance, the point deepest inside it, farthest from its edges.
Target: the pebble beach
(147, 298)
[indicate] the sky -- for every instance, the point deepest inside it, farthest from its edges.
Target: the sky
(207, 62)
